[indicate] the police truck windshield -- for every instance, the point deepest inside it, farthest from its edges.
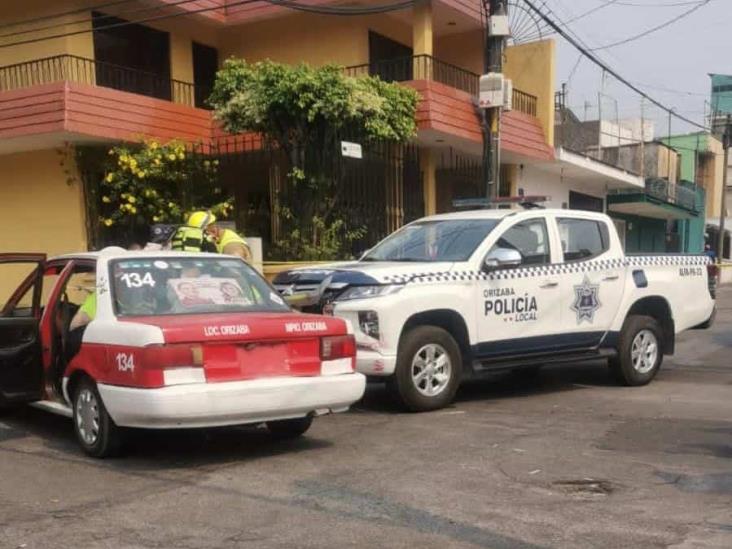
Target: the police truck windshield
(168, 286)
(433, 241)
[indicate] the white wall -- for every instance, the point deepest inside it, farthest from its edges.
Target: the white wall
(534, 181)
(628, 131)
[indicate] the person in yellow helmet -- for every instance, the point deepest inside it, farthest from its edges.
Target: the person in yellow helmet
(229, 243)
(191, 237)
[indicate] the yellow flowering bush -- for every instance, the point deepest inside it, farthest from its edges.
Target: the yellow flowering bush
(157, 182)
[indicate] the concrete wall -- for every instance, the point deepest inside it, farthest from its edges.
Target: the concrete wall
(535, 181)
(463, 49)
(532, 68)
(79, 44)
(311, 38)
(40, 211)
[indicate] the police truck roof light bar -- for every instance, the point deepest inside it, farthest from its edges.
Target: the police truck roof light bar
(527, 202)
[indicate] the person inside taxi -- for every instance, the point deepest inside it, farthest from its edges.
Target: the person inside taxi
(86, 313)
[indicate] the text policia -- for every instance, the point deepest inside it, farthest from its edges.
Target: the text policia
(504, 302)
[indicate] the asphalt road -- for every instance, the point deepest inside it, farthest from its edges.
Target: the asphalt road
(565, 460)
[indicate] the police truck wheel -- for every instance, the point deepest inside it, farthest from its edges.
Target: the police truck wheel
(290, 428)
(640, 351)
(428, 369)
(95, 430)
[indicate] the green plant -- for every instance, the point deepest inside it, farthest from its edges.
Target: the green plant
(304, 111)
(156, 182)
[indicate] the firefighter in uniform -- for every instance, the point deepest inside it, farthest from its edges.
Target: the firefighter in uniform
(192, 237)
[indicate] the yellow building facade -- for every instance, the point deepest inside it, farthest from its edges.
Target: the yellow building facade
(46, 104)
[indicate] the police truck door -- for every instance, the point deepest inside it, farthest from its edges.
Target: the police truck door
(593, 279)
(518, 307)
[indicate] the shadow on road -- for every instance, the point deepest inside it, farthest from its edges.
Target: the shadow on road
(506, 385)
(158, 449)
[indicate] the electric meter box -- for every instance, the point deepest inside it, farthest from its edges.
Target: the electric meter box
(491, 92)
(508, 95)
(498, 25)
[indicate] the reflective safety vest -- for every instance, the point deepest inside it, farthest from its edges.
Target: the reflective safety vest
(229, 237)
(189, 239)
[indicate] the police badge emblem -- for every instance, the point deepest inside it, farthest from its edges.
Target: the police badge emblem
(586, 300)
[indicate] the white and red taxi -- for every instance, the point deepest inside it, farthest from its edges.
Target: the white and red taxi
(175, 340)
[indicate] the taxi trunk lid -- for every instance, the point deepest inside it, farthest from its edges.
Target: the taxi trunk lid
(232, 347)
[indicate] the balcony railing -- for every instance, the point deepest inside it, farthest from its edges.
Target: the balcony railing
(426, 67)
(664, 191)
(71, 68)
(81, 70)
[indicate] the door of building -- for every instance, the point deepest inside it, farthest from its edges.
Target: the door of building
(580, 201)
(205, 65)
(131, 57)
(389, 59)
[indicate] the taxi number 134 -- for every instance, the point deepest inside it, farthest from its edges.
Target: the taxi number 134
(134, 280)
(125, 362)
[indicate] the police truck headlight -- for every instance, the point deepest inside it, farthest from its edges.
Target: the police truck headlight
(365, 292)
(368, 321)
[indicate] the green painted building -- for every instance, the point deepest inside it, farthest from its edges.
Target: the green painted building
(721, 93)
(693, 149)
(666, 216)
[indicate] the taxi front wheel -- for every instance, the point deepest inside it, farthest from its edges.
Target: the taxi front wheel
(95, 430)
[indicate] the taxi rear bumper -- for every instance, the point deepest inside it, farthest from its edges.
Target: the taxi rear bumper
(231, 403)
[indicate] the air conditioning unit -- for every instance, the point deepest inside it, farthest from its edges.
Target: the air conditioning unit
(491, 90)
(508, 95)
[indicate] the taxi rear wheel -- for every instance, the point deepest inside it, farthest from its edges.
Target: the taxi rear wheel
(290, 428)
(95, 430)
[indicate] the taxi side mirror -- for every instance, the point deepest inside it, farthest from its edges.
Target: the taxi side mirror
(501, 258)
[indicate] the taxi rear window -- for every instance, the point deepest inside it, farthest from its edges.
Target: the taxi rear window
(171, 286)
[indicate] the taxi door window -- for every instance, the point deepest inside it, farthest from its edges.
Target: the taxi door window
(12, 275)
(79, 286)
(530, 238)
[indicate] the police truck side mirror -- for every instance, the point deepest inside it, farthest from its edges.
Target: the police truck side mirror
(501, 258)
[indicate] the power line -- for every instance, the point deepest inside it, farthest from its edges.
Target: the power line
(592, 57)
(605, 4)
(342, 10)
(65, 13)
(283, 3)
(656, 28)
(660, 5)
(103, 16)
(669, 90)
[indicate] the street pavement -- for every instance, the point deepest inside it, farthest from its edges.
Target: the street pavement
(565, 460)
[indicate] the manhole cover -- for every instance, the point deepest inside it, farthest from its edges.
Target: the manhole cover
(586, 486)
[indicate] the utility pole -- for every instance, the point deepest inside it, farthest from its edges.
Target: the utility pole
(495, 39)
(726, 142)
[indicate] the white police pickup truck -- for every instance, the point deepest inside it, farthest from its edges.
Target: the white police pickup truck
(454, 296)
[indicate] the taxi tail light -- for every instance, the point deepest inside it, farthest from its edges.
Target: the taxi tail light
(333, 347)
(176, 356)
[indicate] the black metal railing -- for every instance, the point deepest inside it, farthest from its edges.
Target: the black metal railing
(671, 193)
(419, 67)
(665, 191)
(426, 67)
(81, 70)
